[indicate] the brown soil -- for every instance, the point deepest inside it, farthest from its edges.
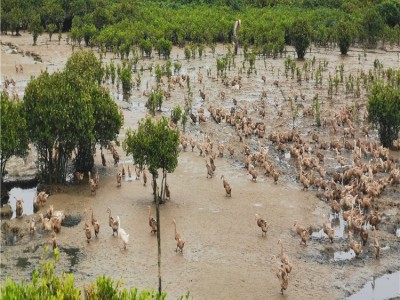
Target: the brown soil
(225, 256)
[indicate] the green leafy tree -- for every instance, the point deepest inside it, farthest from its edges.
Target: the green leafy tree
(155, 144)
(176, 114)
(154, 101)
(384, 112)
(372, 27)
(88, 32)
(300, 36)
(85, 64)
(164, 48)
(390, 12)
(14, 133)
(344, 36)
(126, 80)
(59, 115)
(36, 28)
(146, 47)
(51, 28)
(68, 111)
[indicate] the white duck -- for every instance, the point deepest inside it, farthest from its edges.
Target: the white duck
(122, 234)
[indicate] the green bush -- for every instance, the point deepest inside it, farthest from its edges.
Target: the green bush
(46, 284)
(300, 36)
(344, 36)
(176, 114)
(384, 111)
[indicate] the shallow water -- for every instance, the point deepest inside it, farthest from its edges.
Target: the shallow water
(380, 288)
(25, 194)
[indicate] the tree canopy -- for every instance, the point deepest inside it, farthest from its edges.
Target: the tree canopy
(68, 111)
(154, 144)
(384, 111)
(14, 134)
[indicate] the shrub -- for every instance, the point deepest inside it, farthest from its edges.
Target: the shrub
(384, 111)
(344, 36)
(300, 36)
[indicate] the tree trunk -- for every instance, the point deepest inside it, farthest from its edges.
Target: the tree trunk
(158, 236)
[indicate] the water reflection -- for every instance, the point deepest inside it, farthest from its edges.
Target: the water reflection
(384, 287)
(25, 194)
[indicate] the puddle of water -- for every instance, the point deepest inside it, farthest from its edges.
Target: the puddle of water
(337, 224)
(27, 195)
(343, 255)
(73, 255)
(70, 221)
(384, 287)
(23, 262)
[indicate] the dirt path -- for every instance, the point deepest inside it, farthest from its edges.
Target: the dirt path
(225, 256)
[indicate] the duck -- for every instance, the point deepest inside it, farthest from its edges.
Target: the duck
(167, 192)
(54, 240)
(377, 247)
(88, 232)
(32, 226)
(95, 224)
(227, 187)
(144, 177)
(47, 224)
(42, 198)
(262, 224)
(56, 224)
(19, 209)
(285, 258)
(180, 242)
(281, 275)
(111, 222)
(364, 235)
(137, 171)
(328, 229)
(50, 212)
(375, 219)
(357, 248)
(122, 234)
(36, 205)
(119, 178)
(152, 222)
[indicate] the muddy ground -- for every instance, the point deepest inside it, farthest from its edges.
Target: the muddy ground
(225, 256)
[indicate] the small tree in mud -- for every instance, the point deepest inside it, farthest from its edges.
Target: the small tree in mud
(155, 144)
(300, 36)
(384, 111)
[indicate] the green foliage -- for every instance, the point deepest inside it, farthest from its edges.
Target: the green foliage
(14, 133)
(46, 284)
(154, 144)
(51, 28)
(176, 114)
(146, 47)
(36, 28)
(390, 12)
(86, 65)
(154, 101)
(187, 52)
(344, 35)
(126, 79)
(300, 36)
(164, 48)
(88, 32)
(67, 111)
(372, 24)
(384, 111)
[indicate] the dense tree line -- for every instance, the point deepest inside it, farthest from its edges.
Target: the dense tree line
(121, 25)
